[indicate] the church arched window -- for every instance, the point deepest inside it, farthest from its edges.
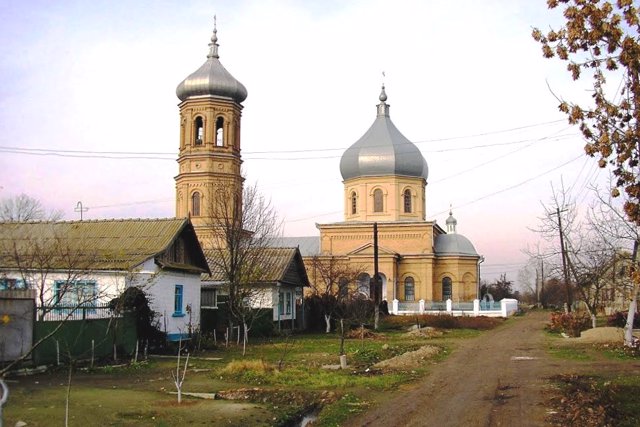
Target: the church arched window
(407, 201)
(363, 284)
(220, 132)
(195, 204)
(199, 131)
(447, 288)
(409, 289)
(378, 202)
(354, 203)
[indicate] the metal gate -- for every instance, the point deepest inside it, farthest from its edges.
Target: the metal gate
(17, 314)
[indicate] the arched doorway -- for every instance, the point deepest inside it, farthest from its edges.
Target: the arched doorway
(447, 288)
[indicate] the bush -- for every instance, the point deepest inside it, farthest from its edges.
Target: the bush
(569, 323)
(442, 321)
(619, 319)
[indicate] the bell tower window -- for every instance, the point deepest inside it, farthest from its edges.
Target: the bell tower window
(199, 131)
(378, 203)
(407, 201)
(219, 132)
(195, 204)
(354, 203)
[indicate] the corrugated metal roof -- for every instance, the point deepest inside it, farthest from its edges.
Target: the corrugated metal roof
(102, 244)
(274, 263)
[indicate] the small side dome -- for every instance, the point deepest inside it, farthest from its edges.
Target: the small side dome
(212, 78)
(454, 244)
(383, 150)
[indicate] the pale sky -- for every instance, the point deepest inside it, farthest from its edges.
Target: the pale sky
(88, 110)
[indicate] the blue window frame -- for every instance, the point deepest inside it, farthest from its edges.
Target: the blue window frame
(281, 303)
(76, 294)
(178, 301)
(8, 283)
(288, 297)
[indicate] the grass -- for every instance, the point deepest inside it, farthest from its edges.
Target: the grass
(578, 354)
(139, 394)
(334, 415)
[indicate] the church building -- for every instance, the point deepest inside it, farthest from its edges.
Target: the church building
(385, 180)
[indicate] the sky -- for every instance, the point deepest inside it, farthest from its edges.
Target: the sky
(88, 111)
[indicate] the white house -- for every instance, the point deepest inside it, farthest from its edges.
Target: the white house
(79, 265)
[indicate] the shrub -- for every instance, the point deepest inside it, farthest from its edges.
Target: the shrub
(569, 323)
(619, 319)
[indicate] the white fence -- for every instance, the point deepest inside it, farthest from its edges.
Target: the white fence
(503, 308)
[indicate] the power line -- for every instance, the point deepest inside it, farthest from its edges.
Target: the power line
(129, 155)
(512, 186)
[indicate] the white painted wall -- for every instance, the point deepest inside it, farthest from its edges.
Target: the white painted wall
(159, 284)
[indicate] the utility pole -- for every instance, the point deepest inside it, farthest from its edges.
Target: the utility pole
(567, 285)
(542, 284)
(375, 281)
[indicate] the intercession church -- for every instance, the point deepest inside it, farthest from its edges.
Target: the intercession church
(385, 180)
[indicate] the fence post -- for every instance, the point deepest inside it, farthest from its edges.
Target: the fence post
(449, 306)
(503, 307)
(421, 306)
(476, 307)
(394, 306)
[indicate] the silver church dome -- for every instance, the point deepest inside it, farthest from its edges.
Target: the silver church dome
(453, 243)
(383, 150)
(212, 78)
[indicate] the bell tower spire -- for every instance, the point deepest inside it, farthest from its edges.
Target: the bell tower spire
(209, 158)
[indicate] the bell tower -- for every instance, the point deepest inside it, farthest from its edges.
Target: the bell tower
(209, 158)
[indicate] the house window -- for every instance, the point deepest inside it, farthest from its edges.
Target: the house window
(280, 303)
(199, 131)
(447, 288)
(7, 283)
(220, 132)
(209, 298)
(178, 300)
(72, 295)
(288, 298)
(409, 289)
(378, 205)
(407, 201)
(354, 203)
(195, 204)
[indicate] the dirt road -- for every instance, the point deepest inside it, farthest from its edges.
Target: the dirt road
(496, 379)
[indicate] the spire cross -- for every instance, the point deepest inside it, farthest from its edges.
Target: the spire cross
(213, 46)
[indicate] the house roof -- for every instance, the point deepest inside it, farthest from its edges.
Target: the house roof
(282, 265)
(101, 244)
(308, 245)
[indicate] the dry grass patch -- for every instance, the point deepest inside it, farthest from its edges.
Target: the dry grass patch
(238, 367)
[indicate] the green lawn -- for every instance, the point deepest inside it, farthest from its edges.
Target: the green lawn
(290, 378)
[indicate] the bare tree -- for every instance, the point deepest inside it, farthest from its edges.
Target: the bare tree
(239, 250)
(25, 208)
(332, 279)
(559, 222)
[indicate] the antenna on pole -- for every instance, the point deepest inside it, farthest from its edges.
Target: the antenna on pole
(80, 209)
